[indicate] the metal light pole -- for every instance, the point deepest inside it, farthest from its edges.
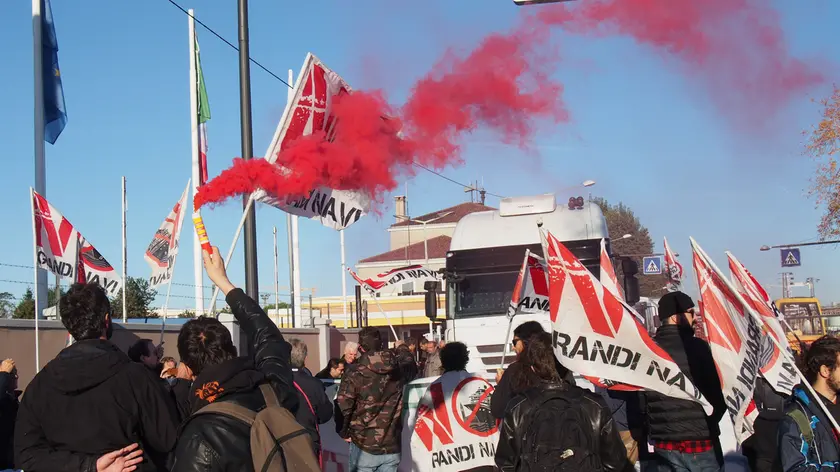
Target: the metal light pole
(424, 223)
(251, 273)
(787, 246)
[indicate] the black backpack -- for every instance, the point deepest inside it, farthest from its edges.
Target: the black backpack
(558, 436)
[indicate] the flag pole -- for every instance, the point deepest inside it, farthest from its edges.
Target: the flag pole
(124, 254)
(757, 319)
(388, 319)
(291, 224)
(344, 280)
(37, 277)
(198, 261)
(295, 219)
(276, 280)
(166, 300)
(40, 161)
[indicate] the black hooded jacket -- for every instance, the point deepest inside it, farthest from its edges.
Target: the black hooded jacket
(88, 401)
(219, 443)
(8, 413)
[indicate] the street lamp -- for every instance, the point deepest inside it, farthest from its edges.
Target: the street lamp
(626, 236)
(536, 2)
(588, 183)
(786, 246)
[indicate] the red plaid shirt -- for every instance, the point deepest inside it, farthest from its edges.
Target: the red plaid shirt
(688, 447)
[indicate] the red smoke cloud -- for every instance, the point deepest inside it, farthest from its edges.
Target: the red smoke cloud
(735, 47)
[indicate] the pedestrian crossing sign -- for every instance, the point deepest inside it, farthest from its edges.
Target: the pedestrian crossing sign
(790, 258)
(652, 265)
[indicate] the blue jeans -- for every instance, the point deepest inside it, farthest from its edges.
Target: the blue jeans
(361, 461)
(676, 461)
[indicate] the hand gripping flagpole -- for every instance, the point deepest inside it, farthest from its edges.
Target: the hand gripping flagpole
(760, 322)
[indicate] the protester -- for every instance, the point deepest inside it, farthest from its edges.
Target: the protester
(314, 407)
(761, 448)
(145, 352)
(91, 399)
(333, 370)
(454, 357)
(412, 347)
(684, 437)
(807, 441)
(8, 411)
(504, 392)
(552, 425)
(351, 352)
(432, 367)
(370, 398)
(214, 441)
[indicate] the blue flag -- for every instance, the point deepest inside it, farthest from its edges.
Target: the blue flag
(55, 115)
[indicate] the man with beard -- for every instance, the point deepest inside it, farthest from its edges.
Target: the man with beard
(807, 440)
(91, 399)
(684, 437)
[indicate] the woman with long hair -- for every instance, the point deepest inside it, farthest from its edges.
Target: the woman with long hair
(553, 425)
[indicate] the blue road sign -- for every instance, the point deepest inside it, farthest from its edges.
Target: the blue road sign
(790, 258)
(652, 265)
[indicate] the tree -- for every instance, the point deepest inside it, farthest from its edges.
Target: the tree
(281, 305)
(823, 145)
(7, 305)
(620, 221)
(26, 307)
(139, 298)
(187, 314)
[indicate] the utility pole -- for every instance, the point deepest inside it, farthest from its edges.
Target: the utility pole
(251, 272)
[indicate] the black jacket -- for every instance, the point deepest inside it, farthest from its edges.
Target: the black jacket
(762, 448)
(611, 449)
(8, 413)
(321, 407)
(219, 443)
(90, 400)
(671, 419)
(504, 391)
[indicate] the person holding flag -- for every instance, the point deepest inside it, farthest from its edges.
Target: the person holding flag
(806, 439)
(685, 438)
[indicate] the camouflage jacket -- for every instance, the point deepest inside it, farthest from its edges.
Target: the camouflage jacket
(370, 399)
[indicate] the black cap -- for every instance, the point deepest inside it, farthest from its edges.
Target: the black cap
(674, 303)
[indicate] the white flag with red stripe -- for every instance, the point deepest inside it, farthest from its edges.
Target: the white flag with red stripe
(400, 275)
(673, 269)
(734, 337)
(597, 335)
(161, 253)
(530, 294)
(775, 367)
(608, 277)
(65, 252)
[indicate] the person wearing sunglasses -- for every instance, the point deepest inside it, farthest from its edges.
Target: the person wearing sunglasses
(504, 390)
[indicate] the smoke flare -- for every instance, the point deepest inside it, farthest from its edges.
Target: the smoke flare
(736, 48)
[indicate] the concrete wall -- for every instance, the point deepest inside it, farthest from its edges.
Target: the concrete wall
(17, 340)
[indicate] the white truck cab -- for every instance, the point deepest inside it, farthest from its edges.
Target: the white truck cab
(484, 259)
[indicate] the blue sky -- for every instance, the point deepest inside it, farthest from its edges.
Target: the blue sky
(643, 131)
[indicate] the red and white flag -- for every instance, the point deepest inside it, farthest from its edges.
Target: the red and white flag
(310, 111)
(400, 275)
(673, 269)
(775, 367)
(530, 294)
(65, 252)
(608, 277)
(598, 335)
(161, 253)
(734, 337)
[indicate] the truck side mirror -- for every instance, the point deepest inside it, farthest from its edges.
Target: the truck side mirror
(631, 289)
(432, 288)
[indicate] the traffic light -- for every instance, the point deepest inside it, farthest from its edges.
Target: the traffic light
(629, 269)
(432, 289)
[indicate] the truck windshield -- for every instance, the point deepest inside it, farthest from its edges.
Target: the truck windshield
(481, 294)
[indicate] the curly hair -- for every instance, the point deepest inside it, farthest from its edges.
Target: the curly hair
(85, 311)
(454, 356)
(822, 352)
